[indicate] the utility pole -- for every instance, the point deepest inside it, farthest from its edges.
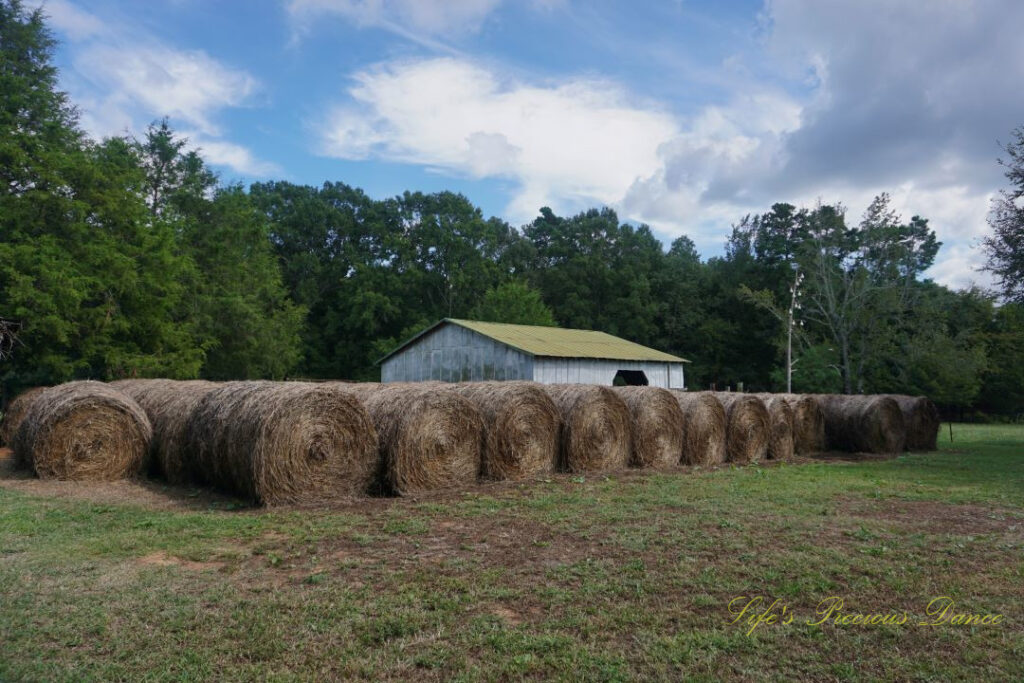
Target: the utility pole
(794, 290)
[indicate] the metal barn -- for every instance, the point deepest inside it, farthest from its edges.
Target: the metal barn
(470, 351)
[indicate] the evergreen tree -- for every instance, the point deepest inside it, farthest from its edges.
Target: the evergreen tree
(89, 279)
(235, 302)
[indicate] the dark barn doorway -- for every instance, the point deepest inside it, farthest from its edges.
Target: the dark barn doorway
(630, 378)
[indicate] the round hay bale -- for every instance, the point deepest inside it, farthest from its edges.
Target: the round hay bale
(15, 413)
(747, 427)
(522, 427)
(808, 423)
(283, 442)
(657, 425)
(703, 427)
(596, 431)
(781, 419)
(168, 404)
(922, 421)
(866, 424)
(429, 438)
(85, 431)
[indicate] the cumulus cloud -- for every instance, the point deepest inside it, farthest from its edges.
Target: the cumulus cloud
(237, 157)
(564, 143)
(713, 171)
(186, 85)
(904, 97)
(907, 89)
(122, 80)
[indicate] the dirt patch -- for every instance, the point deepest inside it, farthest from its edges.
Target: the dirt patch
(843, 456)
(509, 616)
(142, 492)
(937, 518)
(160, 495)
(162, 559)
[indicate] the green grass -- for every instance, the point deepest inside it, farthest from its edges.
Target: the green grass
(597, 578)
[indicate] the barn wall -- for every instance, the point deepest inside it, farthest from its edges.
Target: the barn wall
(596, 371)
(455, 354)
(676, 378)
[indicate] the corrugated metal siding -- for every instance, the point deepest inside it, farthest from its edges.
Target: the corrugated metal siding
(591, 371)
(456, 354)
(676, 378)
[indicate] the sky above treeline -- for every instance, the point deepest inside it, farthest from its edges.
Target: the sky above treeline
(680, 114)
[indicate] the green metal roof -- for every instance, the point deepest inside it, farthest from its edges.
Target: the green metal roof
(556, 342)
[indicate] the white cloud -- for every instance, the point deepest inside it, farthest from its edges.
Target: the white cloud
(123, 79)
(957, 266)
(237, 157)
(185, 85)
(566, 143)
(424, 21)
(905, 97)
(432, 16)
(706, 175)
(72, 21)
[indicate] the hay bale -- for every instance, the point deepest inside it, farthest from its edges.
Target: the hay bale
(781, 420)
(922, 421)
(596, 432)
(86, 431)
(808, 423)
(168, 404)
(15, 413)
(283, 442)
(747, 427)
(429, 439)
(703, 427)
(867, 424)
(657, 426)
(522, 427)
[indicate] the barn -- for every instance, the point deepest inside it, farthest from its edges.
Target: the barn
(454, 350)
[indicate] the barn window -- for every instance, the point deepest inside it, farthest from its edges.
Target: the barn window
(630, 378)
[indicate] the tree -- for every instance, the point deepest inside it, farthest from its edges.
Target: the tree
(235, 303)
(175, 175)
(39, 136)
(815, 371)
(90, 281)
(40, 149)
(860, 281)
(1004, 249)
(456, 252)
(946, 369)
(596, 273)
(244, 318)
(513, 302)
(1002, 388)
(133, 323)
(677, 284)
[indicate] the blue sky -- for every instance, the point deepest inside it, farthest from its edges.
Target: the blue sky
(681, 114)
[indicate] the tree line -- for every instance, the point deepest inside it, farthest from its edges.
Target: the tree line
(129, 257)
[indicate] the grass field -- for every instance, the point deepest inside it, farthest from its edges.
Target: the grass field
(592, 578)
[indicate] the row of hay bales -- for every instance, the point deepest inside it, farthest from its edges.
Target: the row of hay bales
(284, 442)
